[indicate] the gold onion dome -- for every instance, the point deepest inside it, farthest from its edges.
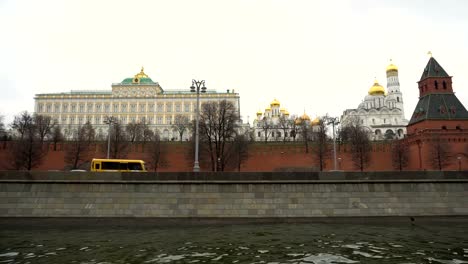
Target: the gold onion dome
(286, 113)
(376, 89)
(315, 122)
(305, 117)
(282, 109)
(275, 103)
(268, 109)
(259, 113)
(392, 67)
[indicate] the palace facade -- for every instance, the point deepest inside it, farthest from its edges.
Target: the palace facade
(381, 112)
(135, 99)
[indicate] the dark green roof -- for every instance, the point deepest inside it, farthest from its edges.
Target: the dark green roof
(444, 106)
(142, 81)
(433, 69)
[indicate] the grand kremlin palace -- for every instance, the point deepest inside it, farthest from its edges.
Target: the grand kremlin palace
(135, 99)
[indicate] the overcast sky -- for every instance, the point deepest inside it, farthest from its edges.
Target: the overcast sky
(317, 56)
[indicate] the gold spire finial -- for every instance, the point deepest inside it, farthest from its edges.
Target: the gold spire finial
(429, 53)
(142, 69)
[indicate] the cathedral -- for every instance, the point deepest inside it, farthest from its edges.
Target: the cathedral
(381, 112)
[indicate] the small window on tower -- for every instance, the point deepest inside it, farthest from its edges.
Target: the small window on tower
(398, 99)
(444, 85)
(436, 85)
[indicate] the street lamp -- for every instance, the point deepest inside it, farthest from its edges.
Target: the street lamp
(197, 87)
(109, 120)
(333, 121)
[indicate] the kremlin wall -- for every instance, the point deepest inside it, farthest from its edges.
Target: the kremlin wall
(438, 117)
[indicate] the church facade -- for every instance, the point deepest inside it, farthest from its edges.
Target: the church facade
(135, 99)
(381, 112)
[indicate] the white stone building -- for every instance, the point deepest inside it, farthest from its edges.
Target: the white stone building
(136, 99)
(381, 112)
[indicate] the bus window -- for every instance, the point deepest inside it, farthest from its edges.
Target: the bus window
(97, 166)
(134, 166)
(123, 166)
(110, 165)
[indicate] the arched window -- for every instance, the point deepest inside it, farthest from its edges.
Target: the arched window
(436, 85)
(398, 99)
(444, 85)
(444, 128)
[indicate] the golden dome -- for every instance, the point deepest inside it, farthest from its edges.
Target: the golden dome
(305, 117)
(286, 113)
(259, 113)
(392, 67)
(268, 109)
(142, 74)
(275, 103)
(282, 110)
(315, 122)
(376, 89)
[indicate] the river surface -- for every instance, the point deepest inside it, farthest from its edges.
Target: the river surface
(248, 243)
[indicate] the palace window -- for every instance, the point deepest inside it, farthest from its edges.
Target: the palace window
(64, 119)
(177, 108)
(142, 108)
(169, 107)
(187, 107)
(97, 120)
(65, 108)
(56, 108)
(80, 120)
(82, 107)
(133, 108)
(116, 108)
(160, 107)
(150, 120)
(159, 120)
(73, 108)
(90, 108)
(49, 108)
(123, 108)
(151, 107)
(72, 120)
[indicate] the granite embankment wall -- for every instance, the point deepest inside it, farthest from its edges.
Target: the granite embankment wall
(233, 195)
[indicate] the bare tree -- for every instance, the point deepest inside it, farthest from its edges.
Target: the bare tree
(305, 132)
(56, 136)
(147, 135)
(27, 152)
(285, 125)
(218, 125)
(181, 124)
(321, 149)
(156, 153)
(3, 132)
(266, 126)
(400, 154)
(78, 149)
(134, 131)
(44, 124)
(22, 123)
(237, 151)
(358, 139)
(119, 142)
(439, 155)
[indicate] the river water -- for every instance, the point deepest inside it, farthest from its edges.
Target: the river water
(247, 243)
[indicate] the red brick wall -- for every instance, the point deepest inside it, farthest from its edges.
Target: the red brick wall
(271, 157)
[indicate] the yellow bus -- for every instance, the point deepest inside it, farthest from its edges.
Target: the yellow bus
(120, 165)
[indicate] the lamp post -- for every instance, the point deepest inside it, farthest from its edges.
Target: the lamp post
(333, 121)
(109, 120)
(197, 87)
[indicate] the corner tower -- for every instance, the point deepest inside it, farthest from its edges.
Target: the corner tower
(438, 107)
